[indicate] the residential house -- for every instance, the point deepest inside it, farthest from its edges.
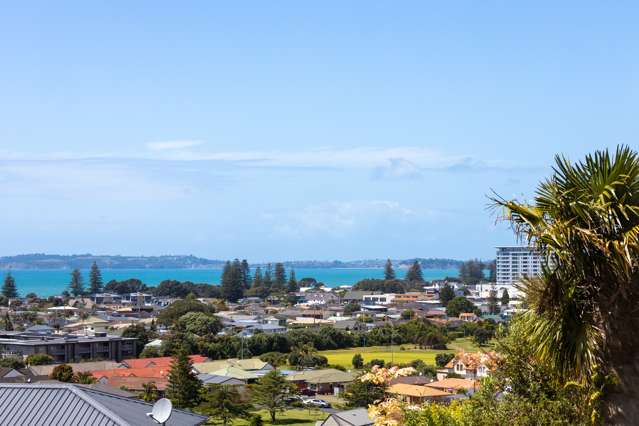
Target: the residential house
(325, 381)
(417, 394)
(164, 361)
(455, 386)
(356, 417)
(470, 365)
(63, 404)
(233, 367)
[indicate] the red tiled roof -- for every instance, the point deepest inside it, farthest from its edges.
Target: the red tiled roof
(156, 372)
(164, 361)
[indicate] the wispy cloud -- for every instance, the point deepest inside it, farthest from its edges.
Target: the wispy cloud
(173, 145)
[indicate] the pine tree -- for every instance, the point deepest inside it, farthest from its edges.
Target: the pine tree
(232, 281)
(270, 391)
(292, 282)
(280, 277)
(184, 387)
(268, 281)
(95, 279)
(8, 325)
(505, 298)
(414, 273)
(389, 272)
(246, 274)
(76, 285)
(224, 402)
(446, 294)
(257, 278)
(9, 289)
(493, 305)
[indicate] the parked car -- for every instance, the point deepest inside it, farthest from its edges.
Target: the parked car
(307, 392)
(292, 399)
(317, 403)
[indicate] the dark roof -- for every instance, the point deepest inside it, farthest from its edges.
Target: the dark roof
(66, 404)
(356, 417)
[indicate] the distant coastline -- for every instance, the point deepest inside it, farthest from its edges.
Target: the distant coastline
(54, 262)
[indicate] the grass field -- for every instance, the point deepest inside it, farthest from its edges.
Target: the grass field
(290, 417)
(344, 357)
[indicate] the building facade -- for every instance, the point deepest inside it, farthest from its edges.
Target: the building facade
(515, 263)
(67, 347)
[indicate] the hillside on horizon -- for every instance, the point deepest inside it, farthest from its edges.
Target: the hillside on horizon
(84, 261)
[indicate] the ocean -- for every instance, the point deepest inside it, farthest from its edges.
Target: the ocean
(53, 282)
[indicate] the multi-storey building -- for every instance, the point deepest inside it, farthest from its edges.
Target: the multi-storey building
(67, 347)
(514, 263)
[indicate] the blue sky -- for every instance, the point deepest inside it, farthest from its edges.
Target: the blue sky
(293, 130)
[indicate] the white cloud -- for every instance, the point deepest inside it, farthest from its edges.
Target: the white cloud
(172, 145)
(398, 168)
(339, 218)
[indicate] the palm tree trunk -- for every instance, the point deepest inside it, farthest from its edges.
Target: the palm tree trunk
(621, 404)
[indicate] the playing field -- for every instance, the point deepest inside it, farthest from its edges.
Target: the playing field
(410, 353)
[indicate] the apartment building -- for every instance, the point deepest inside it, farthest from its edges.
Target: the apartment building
(67, 347)
(514, 263)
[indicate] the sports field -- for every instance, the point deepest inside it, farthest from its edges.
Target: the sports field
(344, 357)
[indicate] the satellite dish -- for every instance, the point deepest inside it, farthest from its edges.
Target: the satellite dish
(161, 411)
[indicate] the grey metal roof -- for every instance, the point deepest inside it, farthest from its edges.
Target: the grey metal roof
(66, 404)
(214, 379)
(356, 417)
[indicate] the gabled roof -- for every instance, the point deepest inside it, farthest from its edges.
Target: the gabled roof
(454, 383)
(235, 372)
(164, 361)
(328, 375)
(66, 404)
(472, 360)
(415, 391)
(356, 417)
(150, 372)
(250, 364)
(210, 379)
(45, 370)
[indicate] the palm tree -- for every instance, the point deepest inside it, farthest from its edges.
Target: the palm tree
(583, 314)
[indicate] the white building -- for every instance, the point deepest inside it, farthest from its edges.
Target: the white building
(514, 263)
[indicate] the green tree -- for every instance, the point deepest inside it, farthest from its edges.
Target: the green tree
(39, 359)
(492, 271)
(62, 373)
(184, 387)
(407, 314)
(224, 403)
(84, 378)
(446, 294)
(279, 277)
(270, 391)
(460, 305)
(258, 281)
(76, 286)
(358, 361)
(493, 302)
(414, 273)
(246, 274)
(149, 392)
(199, 323)
(389, 272)
(582, 311)
(292, 283)
(363, 394)
(95, 279)
(232, 282)
(139, 332)
(268, 278)
(11, 362)
(169, 315)
(8, 325)
(471, 272)
(505, 297)
(9, 289)
(149, 352)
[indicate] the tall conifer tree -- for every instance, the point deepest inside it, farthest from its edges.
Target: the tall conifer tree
(95, 279)
(389, 272)
(414, 273)
(184, 387)
(280, 277)
(76, 286)
(9, 288)
(292, 282)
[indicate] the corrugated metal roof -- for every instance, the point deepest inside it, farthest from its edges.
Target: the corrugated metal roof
(66, 404)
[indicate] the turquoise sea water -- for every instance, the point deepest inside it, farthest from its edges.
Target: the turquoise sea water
(52, 282)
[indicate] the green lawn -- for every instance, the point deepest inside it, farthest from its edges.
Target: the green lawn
(290, 417)
(344, 357)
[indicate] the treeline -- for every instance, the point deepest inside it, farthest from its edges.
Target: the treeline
(419, 331)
